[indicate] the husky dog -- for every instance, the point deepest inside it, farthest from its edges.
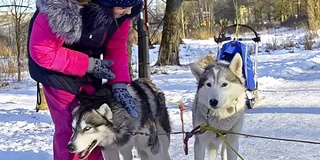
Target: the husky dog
(220, 101)
(100, 121)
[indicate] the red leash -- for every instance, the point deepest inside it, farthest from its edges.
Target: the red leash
(187, 135)
(182, 108)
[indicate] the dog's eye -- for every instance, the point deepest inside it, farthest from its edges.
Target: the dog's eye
(209, 84)
(224, 84)
(87, 128)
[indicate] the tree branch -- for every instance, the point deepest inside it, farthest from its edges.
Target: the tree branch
(13, 5)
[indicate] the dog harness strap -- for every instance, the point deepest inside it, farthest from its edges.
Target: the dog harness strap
(38, 97)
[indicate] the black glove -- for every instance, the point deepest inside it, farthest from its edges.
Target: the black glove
(99, 68)
(121, 94)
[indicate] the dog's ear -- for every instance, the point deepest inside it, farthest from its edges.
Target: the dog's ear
(236, 65)
(105, 110)
(196, 70)
(75, 110)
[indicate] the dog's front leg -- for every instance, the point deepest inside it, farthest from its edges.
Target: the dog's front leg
(126, 152)
(224, 151)
(110, 153)
(213, 150)
(233, 140)
(200, 145)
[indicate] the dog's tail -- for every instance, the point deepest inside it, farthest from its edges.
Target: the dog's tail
(163, 115)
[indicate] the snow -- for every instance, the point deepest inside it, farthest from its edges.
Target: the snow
(289, 81)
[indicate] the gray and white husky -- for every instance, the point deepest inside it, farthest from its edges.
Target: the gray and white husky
(220, 101)
(100, 121)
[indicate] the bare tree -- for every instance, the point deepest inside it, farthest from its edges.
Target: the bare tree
(197, 18)
(18, 17)
(170, 41)
(156, 12)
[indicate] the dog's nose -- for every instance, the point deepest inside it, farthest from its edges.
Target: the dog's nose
(71, 147)
(213, 102)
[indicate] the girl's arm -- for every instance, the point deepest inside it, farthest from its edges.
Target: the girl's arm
(47, 51)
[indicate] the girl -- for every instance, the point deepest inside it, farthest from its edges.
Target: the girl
(65, 42)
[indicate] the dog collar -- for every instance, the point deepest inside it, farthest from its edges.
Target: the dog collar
(235, 102)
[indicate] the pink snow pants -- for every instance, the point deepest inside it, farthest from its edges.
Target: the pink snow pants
(59, 102)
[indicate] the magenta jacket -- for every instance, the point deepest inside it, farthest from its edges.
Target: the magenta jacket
(51, 30)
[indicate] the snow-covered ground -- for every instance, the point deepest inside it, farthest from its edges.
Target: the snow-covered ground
(290, 82)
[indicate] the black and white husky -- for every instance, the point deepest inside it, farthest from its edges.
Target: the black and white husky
(100, 121)
(220, 101)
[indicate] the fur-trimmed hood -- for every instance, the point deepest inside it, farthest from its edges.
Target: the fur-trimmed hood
(66, 20)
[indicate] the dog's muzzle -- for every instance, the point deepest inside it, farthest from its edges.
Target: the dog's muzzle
(82, 154)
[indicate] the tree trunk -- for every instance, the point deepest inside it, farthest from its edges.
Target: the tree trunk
(169, 47)
(18, 45)
(130, 42)
(313, 14)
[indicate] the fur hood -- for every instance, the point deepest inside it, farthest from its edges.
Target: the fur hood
(64, 18)
(66, 21)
